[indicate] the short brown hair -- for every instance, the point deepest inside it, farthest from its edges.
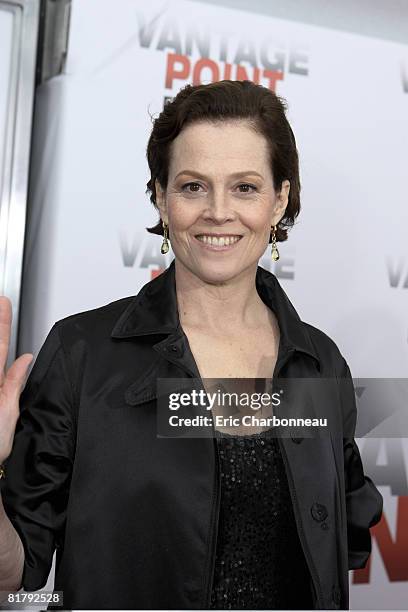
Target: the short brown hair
(223, 101)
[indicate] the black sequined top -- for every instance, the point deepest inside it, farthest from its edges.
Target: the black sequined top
(259, 560)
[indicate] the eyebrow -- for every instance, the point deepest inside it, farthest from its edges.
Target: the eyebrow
(232, 175)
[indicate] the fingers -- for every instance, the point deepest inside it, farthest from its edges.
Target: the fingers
(5, 327)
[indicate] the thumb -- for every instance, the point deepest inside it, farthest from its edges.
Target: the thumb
(16, 375)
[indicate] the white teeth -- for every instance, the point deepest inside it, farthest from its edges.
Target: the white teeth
(221, 241)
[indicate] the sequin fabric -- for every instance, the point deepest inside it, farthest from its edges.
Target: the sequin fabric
(259, 561)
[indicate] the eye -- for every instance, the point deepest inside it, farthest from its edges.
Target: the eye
(247, 185)
(193, 187)
(189, 185)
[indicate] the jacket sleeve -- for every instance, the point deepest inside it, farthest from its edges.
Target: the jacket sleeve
(364, 502)
(35, 489)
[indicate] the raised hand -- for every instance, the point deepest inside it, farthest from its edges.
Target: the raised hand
(11, 382)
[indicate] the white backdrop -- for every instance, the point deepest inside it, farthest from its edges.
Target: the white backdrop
(345, 265)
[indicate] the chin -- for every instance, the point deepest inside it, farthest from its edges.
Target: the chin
(218, 272)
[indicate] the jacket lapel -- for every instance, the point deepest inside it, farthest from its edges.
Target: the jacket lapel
(154, 312)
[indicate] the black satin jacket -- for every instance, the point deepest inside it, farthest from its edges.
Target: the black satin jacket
(132, 516)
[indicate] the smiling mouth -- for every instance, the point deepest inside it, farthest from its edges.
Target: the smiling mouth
(219, 240)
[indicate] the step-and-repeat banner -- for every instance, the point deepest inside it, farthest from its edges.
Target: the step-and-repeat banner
(345, 265)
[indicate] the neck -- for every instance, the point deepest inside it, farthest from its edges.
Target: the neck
(220, 308)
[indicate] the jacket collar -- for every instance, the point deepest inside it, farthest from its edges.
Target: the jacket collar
(154, 310)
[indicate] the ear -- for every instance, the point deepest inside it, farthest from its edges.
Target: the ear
(281, 203)
(161, 201)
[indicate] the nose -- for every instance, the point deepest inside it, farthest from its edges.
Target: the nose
(218, 209)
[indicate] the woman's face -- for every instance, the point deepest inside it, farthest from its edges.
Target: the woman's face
(220, 202)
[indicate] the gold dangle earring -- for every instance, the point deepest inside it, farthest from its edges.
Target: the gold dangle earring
(275, 252)
(165, 244)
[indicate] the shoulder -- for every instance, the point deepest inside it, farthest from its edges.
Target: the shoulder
(327, 350)
(95, 324)
(323, 346)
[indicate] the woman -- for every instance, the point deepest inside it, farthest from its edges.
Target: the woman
(223, 521)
